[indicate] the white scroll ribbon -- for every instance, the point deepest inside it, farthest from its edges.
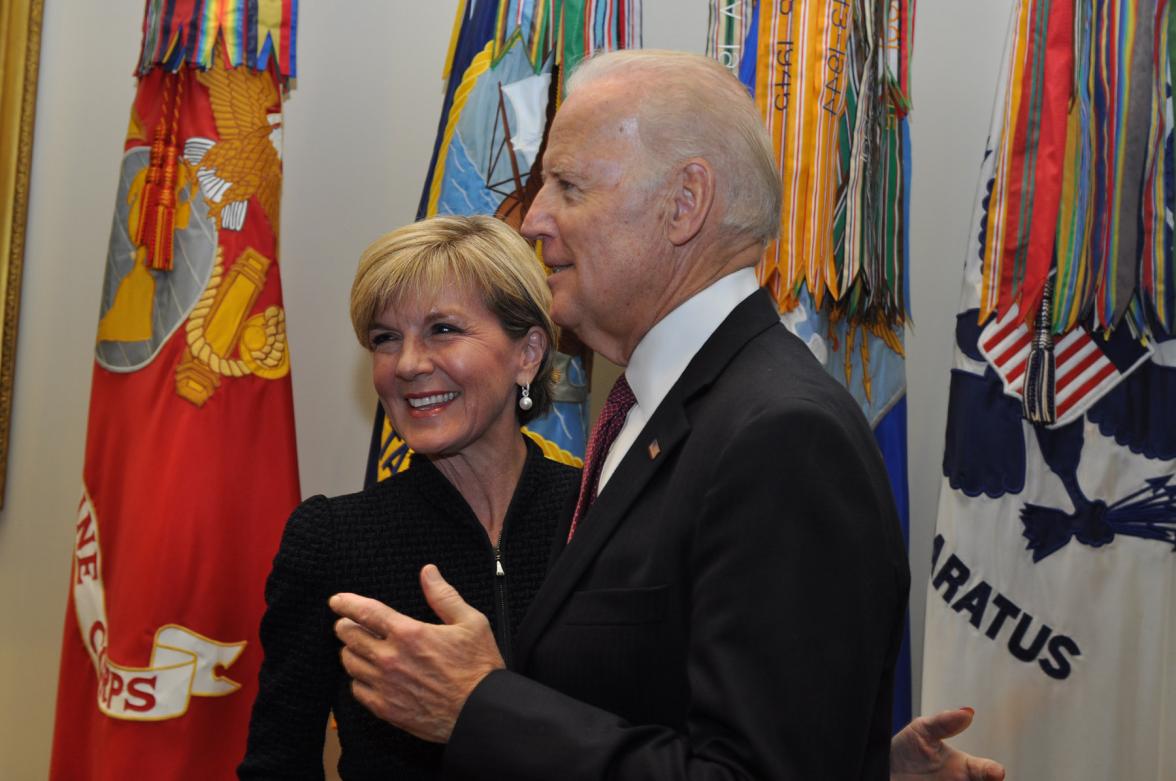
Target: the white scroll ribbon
(183, 663)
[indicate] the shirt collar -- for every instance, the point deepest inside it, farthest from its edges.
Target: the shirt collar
(663, 353)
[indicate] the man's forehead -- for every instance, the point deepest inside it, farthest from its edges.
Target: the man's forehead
(595, 115)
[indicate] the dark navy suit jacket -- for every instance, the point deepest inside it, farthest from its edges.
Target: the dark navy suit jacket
(732, 604)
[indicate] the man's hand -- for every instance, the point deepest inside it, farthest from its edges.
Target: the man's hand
(412, 674)
(918, 752)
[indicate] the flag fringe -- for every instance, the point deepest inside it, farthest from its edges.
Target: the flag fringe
(253, 33)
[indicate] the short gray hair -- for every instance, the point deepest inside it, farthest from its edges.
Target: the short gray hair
(696, 108)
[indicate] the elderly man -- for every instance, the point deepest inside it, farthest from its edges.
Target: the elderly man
(730, 599)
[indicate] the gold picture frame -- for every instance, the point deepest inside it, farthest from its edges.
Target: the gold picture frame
(20, 54)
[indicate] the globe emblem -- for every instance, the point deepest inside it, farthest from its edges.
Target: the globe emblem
(141, 308)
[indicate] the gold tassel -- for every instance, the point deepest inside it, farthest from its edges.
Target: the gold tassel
(163, 225)
(145, 228)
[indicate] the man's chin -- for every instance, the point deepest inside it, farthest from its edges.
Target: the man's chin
(563, 315)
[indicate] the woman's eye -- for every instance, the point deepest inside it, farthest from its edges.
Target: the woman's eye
(445, 328)
(383, 339)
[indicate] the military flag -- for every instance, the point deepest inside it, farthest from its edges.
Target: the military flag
(1052, 595)
(190, 466)
(505, 71)
(831, 79)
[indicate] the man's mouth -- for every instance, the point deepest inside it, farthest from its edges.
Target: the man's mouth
(422, 402)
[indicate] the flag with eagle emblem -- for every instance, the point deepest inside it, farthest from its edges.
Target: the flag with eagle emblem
(190, 466)
(1051, 606)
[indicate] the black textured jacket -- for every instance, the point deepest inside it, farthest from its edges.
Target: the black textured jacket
(374, 543)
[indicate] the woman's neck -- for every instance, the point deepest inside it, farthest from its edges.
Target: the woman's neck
(486, 478)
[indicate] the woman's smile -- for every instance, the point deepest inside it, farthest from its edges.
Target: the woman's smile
(430, 403)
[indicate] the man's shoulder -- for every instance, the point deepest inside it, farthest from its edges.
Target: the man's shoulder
(774, 377)
(776, 363)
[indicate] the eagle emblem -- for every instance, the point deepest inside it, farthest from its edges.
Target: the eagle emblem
(246, 161)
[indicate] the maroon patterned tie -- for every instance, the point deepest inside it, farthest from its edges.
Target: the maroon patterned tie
(612, 417)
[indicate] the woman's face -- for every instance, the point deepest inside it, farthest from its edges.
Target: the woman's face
(446, 371)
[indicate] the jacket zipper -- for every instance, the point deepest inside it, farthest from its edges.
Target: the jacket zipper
(500, 604)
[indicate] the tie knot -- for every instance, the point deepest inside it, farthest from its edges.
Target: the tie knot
(620, 399)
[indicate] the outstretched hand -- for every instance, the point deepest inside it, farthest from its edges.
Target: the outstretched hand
(919, 753)
(415, 675)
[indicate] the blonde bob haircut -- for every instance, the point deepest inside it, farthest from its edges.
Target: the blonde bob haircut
(480, 254)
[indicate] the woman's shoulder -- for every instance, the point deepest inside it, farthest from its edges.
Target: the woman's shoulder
(377, 495)
(549, 483)
(548, 468)
(558, 469)
(373, 503)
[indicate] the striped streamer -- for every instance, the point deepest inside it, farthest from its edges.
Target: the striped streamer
(1101, 217)
(800, 88)
(1072, 288)
(587, 26)
(1003, 201)
(1158, 158)
(828, 80)
(1038, 155)
(727, 30)
(251, 32)
(1117, 278)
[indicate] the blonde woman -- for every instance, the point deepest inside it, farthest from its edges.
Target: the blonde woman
(455, 314)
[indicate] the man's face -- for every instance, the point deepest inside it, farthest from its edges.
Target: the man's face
(599, 220)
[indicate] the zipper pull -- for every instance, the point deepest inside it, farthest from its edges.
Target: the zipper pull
(498, 571)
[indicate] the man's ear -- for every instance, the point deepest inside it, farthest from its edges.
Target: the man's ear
(534, 348)
(693, 197)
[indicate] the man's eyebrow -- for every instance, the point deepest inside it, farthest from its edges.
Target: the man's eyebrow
(564, 172)
(558, 164)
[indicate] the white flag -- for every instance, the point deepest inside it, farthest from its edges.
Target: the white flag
(1051, 606)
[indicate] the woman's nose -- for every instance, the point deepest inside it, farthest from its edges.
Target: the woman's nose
(415, 359)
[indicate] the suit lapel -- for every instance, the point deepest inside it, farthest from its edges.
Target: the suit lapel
(667, 428)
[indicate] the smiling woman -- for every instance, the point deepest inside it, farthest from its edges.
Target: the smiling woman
(447, 369)
(446, 372)
(454, 313)
(492, 266)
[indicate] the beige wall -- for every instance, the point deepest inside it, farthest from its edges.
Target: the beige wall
(358, 133)
(82, 109)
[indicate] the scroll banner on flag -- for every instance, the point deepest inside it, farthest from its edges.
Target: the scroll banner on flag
(190, 465)
(506, 66)
(830, 79)
(182, 663)
(1052, 595)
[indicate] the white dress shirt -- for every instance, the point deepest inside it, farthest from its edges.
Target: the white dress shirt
(663, 353)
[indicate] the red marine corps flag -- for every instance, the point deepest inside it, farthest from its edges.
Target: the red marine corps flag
(190, 467)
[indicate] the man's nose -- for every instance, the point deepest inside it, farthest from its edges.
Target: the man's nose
(536, 225)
